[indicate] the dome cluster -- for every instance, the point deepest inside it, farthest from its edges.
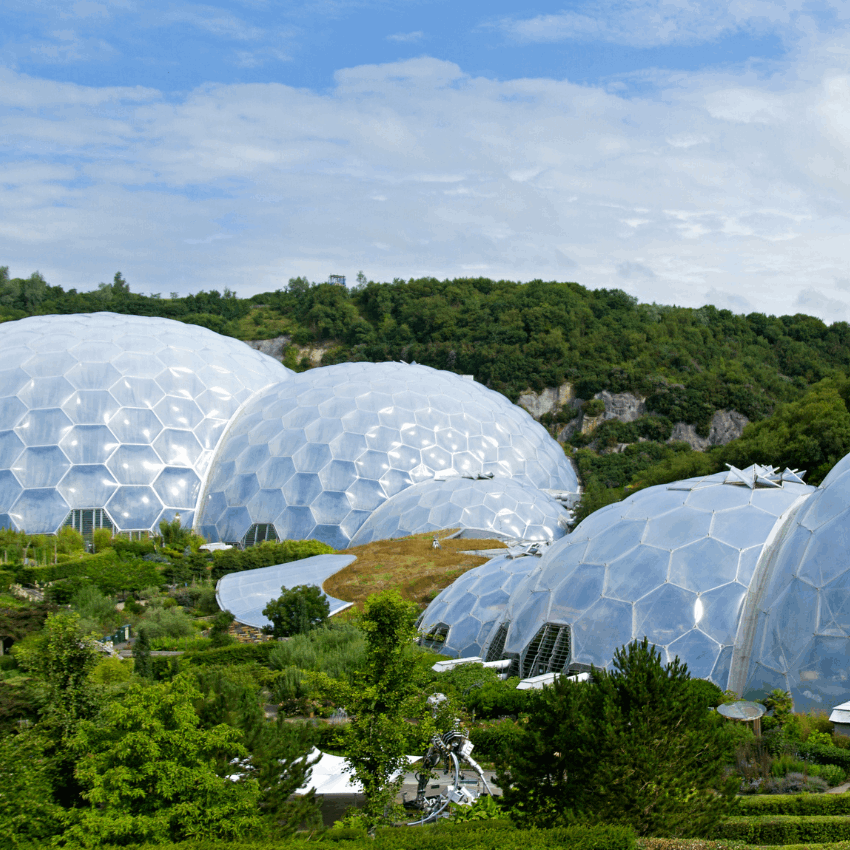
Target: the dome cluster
(743, 575)
(112, 421)
(121, 421)
(315, 456)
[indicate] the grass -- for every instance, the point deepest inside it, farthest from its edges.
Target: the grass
(409, 564)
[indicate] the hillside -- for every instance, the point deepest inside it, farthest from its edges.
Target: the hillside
(678, 367)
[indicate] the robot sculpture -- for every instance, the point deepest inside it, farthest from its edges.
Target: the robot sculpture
(452, 748)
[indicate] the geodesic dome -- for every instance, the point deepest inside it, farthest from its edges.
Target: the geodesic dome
(459, 619)
(800, 641)
(315, 455)
(111, 421)
(673, 563)
(494, 507)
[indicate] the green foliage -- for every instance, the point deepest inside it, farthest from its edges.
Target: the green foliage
(240, 653)
(794, 804)
(166, 622)
(336, 649)
(380, 702)
(784, 829)
(149, 773)
(28, 814)
(484, 808)
(634, 748)
(594, 407)
(142, 654)
(266, 555)
(101, 540)
(297, 610)
(218, 631)
(95, 608)
(779, 703)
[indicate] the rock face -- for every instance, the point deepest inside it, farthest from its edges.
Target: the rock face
(547, 400)
(726, 425)
(623, 406)
(275, 348)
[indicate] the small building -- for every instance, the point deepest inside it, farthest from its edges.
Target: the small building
(841, 718)
(338, 279)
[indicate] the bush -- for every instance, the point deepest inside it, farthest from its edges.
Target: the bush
(493, 739)
(832, 774)
(785, 829)
(240, 653)
(167, 622)
(337, 649)
(795, 804)
(794, 783)
(266, 555)
(594, 407)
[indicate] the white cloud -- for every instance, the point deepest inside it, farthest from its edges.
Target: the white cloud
(416, 168)
(406, 37)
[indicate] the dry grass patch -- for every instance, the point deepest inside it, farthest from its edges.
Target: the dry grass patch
(409, 564)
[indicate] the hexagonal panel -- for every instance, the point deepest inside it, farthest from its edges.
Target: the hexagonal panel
(177, 448)
(134, 507)
(11, 447)
(88, 486)
(177, 488)
(45, 392)
(39, 511)
(135, 465)
(137, 392)
(43, 427)
(134, 425)
(704, 564)
(10, 489)
(90, 407)
(12, 410)
(92, 376)
(42, 466)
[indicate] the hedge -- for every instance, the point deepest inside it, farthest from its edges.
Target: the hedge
(824, 754)
(472, 836)
(785, 829)
(240, 653)
(266, 555)
(794, 804)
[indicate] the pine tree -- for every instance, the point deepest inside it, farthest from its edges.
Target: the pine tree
(633, 747)
(142, 664)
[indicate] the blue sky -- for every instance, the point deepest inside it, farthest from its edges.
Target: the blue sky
(686, 152)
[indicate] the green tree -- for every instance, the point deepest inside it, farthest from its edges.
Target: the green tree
(150, 774)
(381, 701)
(636, 747)
(219, 630)
(780, 703)
(297, 610)
(142, 665)
(28, 814)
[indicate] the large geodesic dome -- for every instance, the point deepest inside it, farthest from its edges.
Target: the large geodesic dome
(673, 563)
(494, 507)
(314, 456)
(112, 421)
(458, 620)
(800, 641)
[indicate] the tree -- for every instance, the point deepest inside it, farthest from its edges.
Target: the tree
(637, 746)
(780, 703)
(219, 630)
(150, 774)
(297, 610)
(142, 665)
(381, 701)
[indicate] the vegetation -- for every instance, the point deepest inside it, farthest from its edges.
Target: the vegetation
(297, 610)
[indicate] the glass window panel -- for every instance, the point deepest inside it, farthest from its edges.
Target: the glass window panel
(323, 430)
(821, 564)
(177, 448)
(181, 361)
(10, 489)
(135, 465)
(354, 521)
(665, 614)
(653, 502)
(134, 507)
(721, 612)
(91, 407)
(383, 439)
(637, 571)
(39, 511)
(704, 564)
(12, 410)
(209, 432)
(601, 631)
(133, 425)
(338, 475)
(332, 535)
(525, 620)
(700, 651)
(742, 528)
(252, 458)
(275, 472)
(43, 466)
(45, 392)
(302, 488)
(137, 365)
(92, 376)
(217, 405)
(11, 447)
(677, 528)
(266, 505)
(330, 508)
(348, 446)
(48, 365)
(43, 427)
(241, 488)
(299, 417)
(176, 412)
(88, 486)
(374, 401)
(177, 488)
(56, 341)
(621, 537)
(311, 457)
(136, 392)
(296, 523)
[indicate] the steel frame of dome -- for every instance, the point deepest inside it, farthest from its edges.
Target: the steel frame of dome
(114, 412)
(317, 454)
(495, 507)
(674, 563)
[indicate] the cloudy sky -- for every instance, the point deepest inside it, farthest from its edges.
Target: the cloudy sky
(687, 152)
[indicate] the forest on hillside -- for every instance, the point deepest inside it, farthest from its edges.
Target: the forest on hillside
(787, 374)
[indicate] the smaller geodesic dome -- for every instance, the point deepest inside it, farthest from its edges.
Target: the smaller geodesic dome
(801, 639)
(462, 615)
(488, 507)
(111, 421)
(314, 456)
(673, 563)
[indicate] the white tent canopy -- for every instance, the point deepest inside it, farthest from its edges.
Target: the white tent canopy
(329, 777)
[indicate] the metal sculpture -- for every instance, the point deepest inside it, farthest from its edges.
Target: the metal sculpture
(452, 748)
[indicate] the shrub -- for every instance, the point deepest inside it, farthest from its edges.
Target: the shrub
(167, 622)
(832, 774)
(101, 540)
(239, 653)
(594, 407)
(795, 804)
(337, 649)
(787, 829)
(794, 783)
(297, 610)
